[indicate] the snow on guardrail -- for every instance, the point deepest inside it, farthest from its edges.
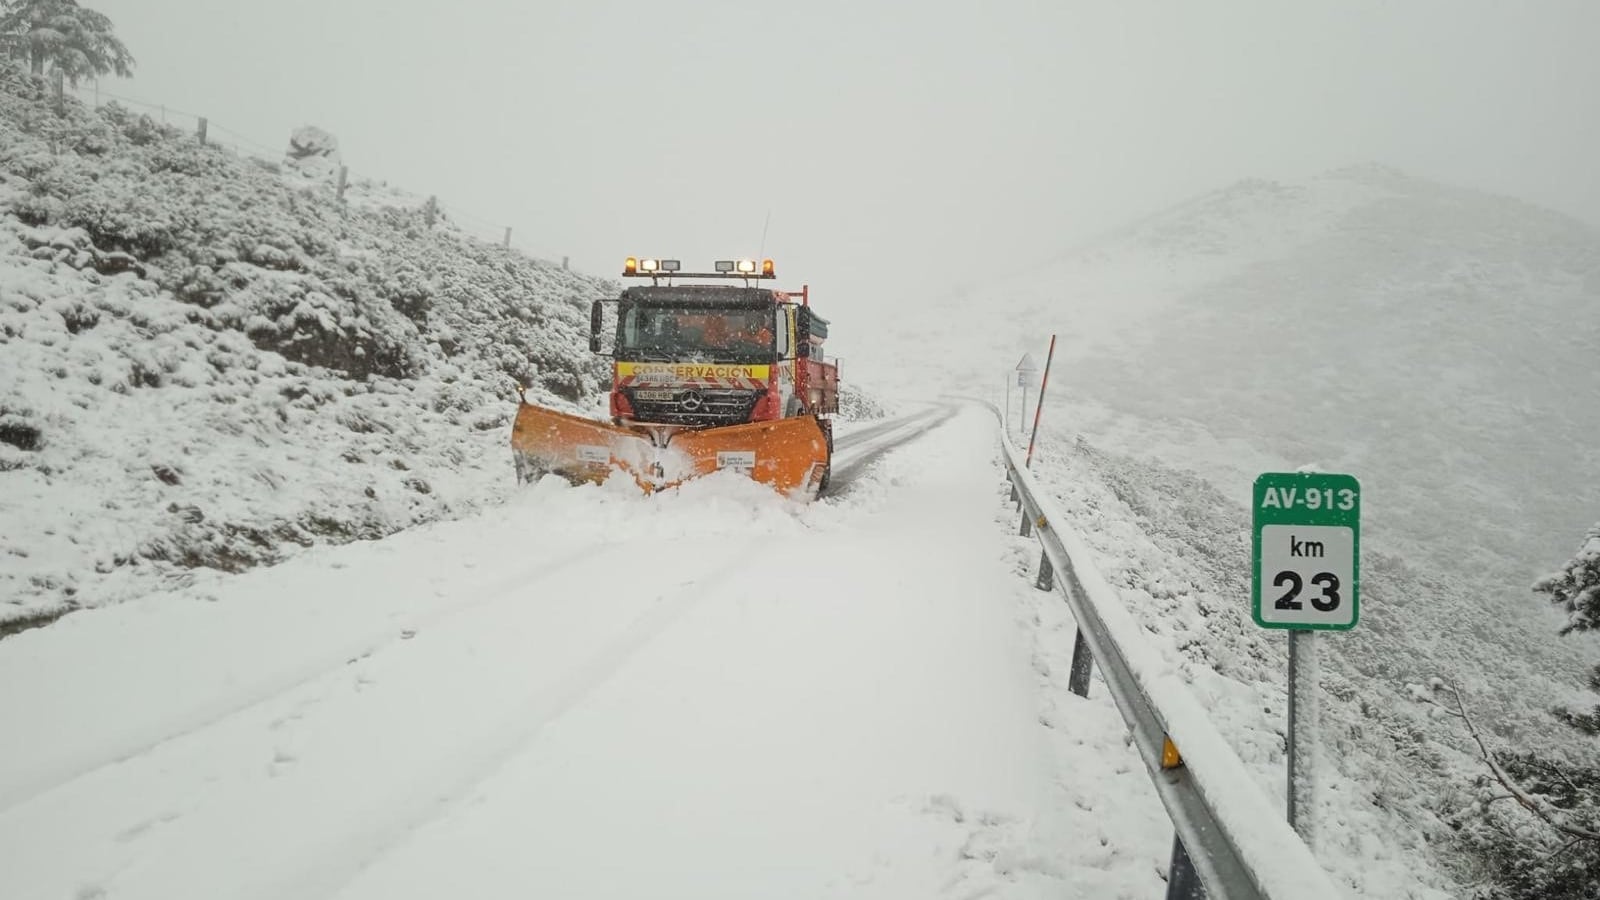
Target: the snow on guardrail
(1238, 842)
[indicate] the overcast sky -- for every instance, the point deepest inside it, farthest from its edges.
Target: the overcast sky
(898, 147)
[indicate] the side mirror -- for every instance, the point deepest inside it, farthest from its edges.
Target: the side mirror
(595, 321)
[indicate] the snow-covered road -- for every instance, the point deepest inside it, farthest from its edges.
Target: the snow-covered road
(586, 693)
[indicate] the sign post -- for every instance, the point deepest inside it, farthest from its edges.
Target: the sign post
(1008, 405)
(1305, 555)
(1027, 371)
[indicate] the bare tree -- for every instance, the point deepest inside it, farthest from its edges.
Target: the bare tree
(1453, 705)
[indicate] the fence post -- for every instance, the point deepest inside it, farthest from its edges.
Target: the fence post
(430, 211)
(61, 92)
(202, 131)
(564, 263)
(344, 179)
(1047, 573)
(1027, 523)
(506, 242)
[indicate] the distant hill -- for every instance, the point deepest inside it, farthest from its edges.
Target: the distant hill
(1439, 341)
(1440, 344)
(206, 360)
(1436, 341)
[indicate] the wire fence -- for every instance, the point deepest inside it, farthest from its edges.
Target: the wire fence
(209, 131)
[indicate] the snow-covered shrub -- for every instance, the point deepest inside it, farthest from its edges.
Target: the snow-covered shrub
(1576, 589)
(855, 404)
(203, 363)
(1516, 855)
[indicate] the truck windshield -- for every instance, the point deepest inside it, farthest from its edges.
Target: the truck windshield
(678, 330)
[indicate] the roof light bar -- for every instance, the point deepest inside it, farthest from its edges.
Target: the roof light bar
(653, 267)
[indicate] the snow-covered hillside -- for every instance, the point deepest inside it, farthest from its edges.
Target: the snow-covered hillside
(205, 361)
(1438, 341)
(1435, 342)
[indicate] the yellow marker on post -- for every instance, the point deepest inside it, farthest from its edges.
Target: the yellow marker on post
(1170, 757)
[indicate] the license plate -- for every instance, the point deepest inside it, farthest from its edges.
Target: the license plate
(655, 395)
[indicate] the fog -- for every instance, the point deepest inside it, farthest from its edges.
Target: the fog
(881, 152)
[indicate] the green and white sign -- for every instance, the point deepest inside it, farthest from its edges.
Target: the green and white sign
(1306, 551)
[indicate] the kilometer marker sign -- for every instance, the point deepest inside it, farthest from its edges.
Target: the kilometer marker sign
(1306, 550)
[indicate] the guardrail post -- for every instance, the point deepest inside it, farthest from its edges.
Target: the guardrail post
(1047, 573)
(1082, 662)
(1182, 882)
(1233, 861)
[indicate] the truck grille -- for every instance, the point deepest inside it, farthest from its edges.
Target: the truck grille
(692, 406)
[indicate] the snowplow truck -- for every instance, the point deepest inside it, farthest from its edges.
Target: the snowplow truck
(704, 377)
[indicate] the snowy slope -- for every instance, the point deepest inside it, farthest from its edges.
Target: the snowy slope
(585, 693)
(204, 362)
(1437, 343)
(1434, 341)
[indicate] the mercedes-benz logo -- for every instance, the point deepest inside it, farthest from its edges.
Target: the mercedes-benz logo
(691, 401)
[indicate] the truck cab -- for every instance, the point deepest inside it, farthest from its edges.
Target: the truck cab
(705, 378)
(707, 355)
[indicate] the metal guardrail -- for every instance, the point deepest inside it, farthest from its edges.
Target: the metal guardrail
(1231, 842)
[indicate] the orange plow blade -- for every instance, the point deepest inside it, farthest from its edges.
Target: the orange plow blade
(544, 441)
(790, 455)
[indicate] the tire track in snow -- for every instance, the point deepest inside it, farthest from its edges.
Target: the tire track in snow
(859, 450)
(869, 433)
(291, 680)
(881, 439)
(447, 792)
